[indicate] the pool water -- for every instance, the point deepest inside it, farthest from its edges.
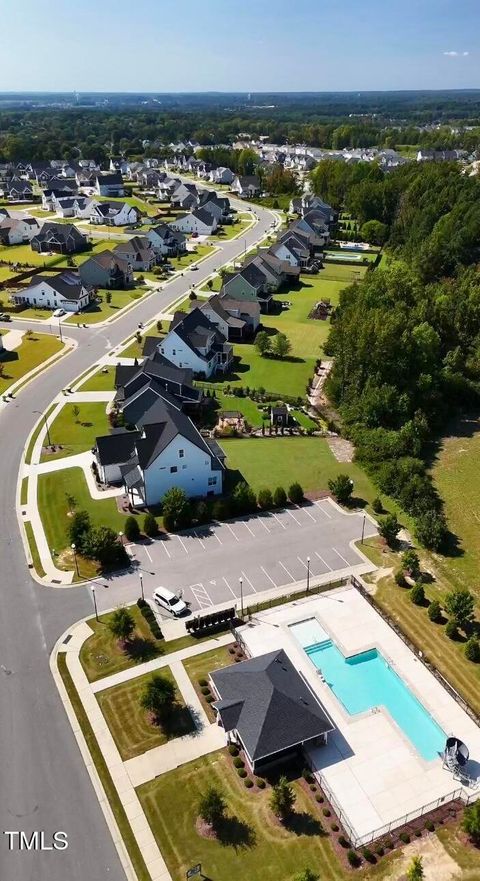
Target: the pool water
(366, 680)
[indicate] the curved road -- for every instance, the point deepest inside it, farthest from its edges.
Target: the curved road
(44, 784)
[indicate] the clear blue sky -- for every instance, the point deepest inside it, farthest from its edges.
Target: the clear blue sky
(230, 45)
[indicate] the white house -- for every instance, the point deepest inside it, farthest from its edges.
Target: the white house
(64, 291)
(194, 342)
(17, 231)
(199, 221)
(165, 241)
(113, 213)
(222, 176)
(109, 184)
(246, 185)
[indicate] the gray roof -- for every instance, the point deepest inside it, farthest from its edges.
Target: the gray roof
(116, 448)
(67, 284)
(269, 703)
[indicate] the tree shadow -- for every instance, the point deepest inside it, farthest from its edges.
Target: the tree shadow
(141, 649)
(302, 823)
(233, 832)
(176, 722)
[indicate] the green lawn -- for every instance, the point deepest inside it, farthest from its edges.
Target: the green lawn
(32, 352)
(134, 349)
(279, 461)
(304, 420)
(25, 254)
(32, 544)
(186, 260)
(200, 666)
(253, 844)
(53, 508)
(101, 381)
(103, 310)
(131, 727)
(242, 223)
(245, 406)
(76, 434)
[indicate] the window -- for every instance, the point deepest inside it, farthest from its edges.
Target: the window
(212, 481)
(174, 352)
(173, 469)
(181, 454)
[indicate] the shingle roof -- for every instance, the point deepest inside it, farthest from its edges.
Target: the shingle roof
(67, 284)
(270, 705)
(117, 447)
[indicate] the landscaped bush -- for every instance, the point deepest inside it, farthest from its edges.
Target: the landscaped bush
(380, 851)
(203, 681)
(417, 594)
(232, 749)
(377, 505)
(241, 772)
(307, 775)
(435, 611)
(343, 841)
(369, 855)
(150, 526)
(451, 629)
(418, 833)
(326, 812)
(353, 858)
(295, 494)
(472, 649)
(150, 619)
(260, 783)
(400, 578)
(388, 843)
(248, 782)
(209, 698)
(205, 690)
(405, 837)
(313, 787)
(132, 529)
(238, 762)
(319, 798)
(279, 497)
(334, 827)
(265, 500)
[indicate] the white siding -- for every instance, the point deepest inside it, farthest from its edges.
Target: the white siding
(193, 472)
(180, 354)
(45, 297)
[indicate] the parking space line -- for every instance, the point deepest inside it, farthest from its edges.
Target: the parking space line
(246, 524)
(279, 521)
(201, 595)
(263, 524)
(148, 553)
(230, 589)
(216, 536)
(286, 570)
(324, 562)
(323, 510)
(307, 512)
(182, 544)
(165, 549)
(305, 565)
(250, 583)
(293, 517)
(268, 576)
(342, 558)
(199, 539)
(231, 530)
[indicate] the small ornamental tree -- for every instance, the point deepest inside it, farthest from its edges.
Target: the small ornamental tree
(108, 297)
(212, 807)
(281, 345)
(263, 343)
(122, 624)
(132, 529)
(460, 605)
(306, 875)
(150, 526)
(389, 528)
(471, 822)
(176, 509)
(158, 696)
(265, 500)
(279, 497)
(417, 594)
(472, 649)
(431, 530)
(295, 494)
(244, 499)
(282, 799)
(341, 488)
(411, 563)
(78, 529)
(435, 611)
(415, 870)
(76, 412)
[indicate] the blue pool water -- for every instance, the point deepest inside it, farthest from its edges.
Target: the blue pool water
(366, 680)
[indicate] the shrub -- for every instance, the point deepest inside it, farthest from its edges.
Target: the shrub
(353, 858)
(417, 594)
(451, 629)
(295, 494)
(341, 488)
(150, 526)
(248, 782)
(418, 833)
(201, 512)
(203, 681)
(326, 812)
(460, 605)
(238, 762)
(472, 649)
(377, 505)
(319, 798)
(343, 841)
(244, 499)
(389, 843)
(307, 775)
(400, 578)
(405, 837)
(334, 827)
(430, 826)
(435, 611)
(279, 497)
(232, 749)
(241, 772)
(471, 822)
(312, 787)
(260, 783)
(389, 527)
(411, 562)
(380, 851)
(205, 690)
(265, 500)
(209, 698)
(222, 509)
(368, 855)
(132, 529)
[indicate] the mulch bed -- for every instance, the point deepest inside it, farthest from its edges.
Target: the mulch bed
(205, 830)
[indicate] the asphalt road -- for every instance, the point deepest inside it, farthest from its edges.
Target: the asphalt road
(265, 551)
(43, 781)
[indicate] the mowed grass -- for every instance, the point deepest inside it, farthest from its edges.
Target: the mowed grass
(200, 666)
(76, 434)
(254, 845)
(134, 349)
(101, 381)
(53, 508)
(245, 406)
(102, 311)
(132, 728)
(279, 461)
(186, 260)
(32, 352)
(230, 230)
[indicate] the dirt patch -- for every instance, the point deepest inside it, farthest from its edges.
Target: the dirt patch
(438, 865)
(342, 449)
(205, 830)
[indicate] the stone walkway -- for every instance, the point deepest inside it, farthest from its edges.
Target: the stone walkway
(206, 738)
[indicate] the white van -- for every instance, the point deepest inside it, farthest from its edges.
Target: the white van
(169, 601)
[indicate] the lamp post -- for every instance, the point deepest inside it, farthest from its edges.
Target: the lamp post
(94, 601)
(363, 528)
(46, 425)
(308, 574)
(74, 549)
(141, 585)
(120, 535)
(241, 595)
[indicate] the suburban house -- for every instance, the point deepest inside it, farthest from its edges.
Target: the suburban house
(267, 709)
(61, 238)
(155, 378)
(165, 241)
(106, 270)
(216, 205)
(114, 213)
(185, 196)
(249, 284)
(118, 163)
(139, 253)
(194, 342)
(18, 190)
(247, 310)
(221, 176)
(246, 185)
(232, 327)
(17, 231)
(73, 206)
(109, 184)
(63, 291)
(302, 204)
(313, 223)
(301, 240)
(199, 221)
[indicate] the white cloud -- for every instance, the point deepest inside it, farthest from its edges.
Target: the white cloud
(454, 54)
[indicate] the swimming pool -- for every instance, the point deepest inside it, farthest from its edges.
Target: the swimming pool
(366, 680)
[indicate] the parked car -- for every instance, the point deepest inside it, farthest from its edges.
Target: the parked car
(58, 313)
(164, 598)
(4, 316)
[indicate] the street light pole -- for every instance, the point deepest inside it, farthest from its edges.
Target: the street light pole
(120, 535)
(94, 601)
(241, 595)
(141, 585)
(74, 549)
(363, 528)
(308, 574)
(46, 425)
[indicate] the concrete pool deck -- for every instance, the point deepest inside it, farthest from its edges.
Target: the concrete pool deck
(369, 765)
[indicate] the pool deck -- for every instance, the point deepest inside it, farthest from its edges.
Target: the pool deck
(372, 769)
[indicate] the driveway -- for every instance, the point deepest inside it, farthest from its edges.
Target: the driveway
(266, 551)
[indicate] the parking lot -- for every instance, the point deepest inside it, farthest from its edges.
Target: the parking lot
(266, 551)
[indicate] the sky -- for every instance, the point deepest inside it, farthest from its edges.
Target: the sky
(239, 45)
